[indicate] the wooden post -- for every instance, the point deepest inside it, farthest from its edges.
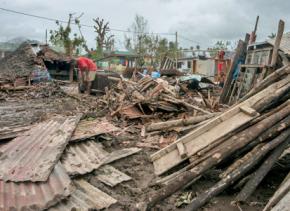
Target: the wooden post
(253, 34)
(277, 43)
(176, 51)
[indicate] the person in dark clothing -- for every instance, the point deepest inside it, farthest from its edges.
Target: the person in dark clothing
(193, 84)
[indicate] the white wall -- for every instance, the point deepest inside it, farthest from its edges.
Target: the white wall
(205, 67)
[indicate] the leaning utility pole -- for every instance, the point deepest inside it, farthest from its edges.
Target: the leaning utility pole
(176, 51)
(46, 37)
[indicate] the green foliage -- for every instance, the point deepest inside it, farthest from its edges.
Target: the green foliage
(272, 35)
(63, 37)
(184, 199)
(222, 45)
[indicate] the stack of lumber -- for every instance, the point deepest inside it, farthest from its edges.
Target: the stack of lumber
(145, 98)
(247, 139)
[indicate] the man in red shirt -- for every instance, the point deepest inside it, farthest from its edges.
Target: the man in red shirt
(86, 73)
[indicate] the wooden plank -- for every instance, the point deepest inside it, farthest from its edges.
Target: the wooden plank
(208, 133)
(248, 110)
(282, 190)
(87, 129)
(111, 176)
(277, 43)
(196, 144)
(283, 204)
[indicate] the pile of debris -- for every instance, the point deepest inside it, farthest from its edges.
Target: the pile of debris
(19, 64)
(243, 142)
(40, 90)
(44, 167)
(148, 98)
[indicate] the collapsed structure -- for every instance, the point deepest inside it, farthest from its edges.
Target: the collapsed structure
(144, 139)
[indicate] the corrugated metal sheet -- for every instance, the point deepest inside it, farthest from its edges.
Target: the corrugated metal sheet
(36, 195)
(83, 157)
(122, 153)
(111, 176)
(86, 197)
(32, 156)
(12, 132)
(87, 129)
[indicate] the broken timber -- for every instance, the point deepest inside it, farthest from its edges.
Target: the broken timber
(175, 123)
(216, 128)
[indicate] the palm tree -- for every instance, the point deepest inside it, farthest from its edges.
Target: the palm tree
(272, 35)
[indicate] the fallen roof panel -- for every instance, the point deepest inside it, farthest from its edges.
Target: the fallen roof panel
(33, 155)
(85, 197)
(122, 153)
(87, 129)
(36, 195)
(12, 131)
(111, 176)
(83, 157)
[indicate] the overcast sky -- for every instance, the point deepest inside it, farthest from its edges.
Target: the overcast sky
(203, 21)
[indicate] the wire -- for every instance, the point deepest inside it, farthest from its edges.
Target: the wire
(187, 39)
(84, 25)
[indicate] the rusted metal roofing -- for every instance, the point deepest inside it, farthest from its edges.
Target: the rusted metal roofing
(12, 132)
(122, 153)
(111, 176)
(86, 197)
(87, 129)
(83, 157)
(36, 195)
(33, 155)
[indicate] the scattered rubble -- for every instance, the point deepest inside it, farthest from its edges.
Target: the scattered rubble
(143, 140)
